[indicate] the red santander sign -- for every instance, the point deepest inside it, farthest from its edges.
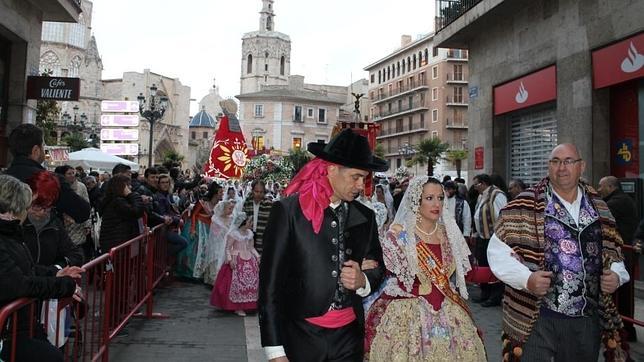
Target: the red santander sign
(619, 62)
(529, 90)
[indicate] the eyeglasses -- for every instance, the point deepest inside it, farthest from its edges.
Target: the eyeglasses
(567, 162)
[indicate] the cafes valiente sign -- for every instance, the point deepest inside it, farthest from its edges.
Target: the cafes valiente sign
(53, 88)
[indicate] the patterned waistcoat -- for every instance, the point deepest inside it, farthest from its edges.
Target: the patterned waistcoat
(486, 213)
(341, 296)
(573, 253)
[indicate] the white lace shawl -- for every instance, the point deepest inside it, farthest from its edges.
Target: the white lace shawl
(399, 245)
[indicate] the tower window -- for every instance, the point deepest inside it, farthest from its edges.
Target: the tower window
(266, 67)
(269, 23)
(266, 55)
(282, 65)
(249, 64)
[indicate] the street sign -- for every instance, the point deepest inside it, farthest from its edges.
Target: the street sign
(119, 134)
(119, 120)
(474, 92)
(120, 106)
(119, 149)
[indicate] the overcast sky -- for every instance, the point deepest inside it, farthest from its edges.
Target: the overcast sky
(198, 40)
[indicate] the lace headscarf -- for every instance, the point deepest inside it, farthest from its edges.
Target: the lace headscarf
(404, 264)
(389, 200)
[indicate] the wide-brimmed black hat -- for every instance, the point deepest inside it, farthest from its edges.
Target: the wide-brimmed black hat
(349, 149)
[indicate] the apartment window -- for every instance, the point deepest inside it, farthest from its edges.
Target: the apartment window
(410, 123)
(193, 135)
(458, 71)
(205, 135)
(422, 120)
(258, 142)
(322, 115)
(435, 52)
(411, 82)
(409, 64)
(413, 62)
(390, 89)
(388, 73)
(259, 110)
(400, 86)
(458, 94)
(393, 70)
(422, 99)
(389, 107)
(435, 72)
(297, 143)
(249, 64)
(379, 77)
(421, 78)
(372, 78)
(434, 94)
(283, 64)
(398, 69)
(309, 113)
(297, 114)
(426, 56)
(411, 102)
(399, 105)
(420, 59)
(434, 115)
(434, 134)
(388, 145)
(399, 125)
(403, 66)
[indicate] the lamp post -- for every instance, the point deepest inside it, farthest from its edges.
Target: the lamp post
(75, 126)
(156, 106)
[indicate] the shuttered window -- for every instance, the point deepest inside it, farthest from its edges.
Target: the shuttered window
(532, 137)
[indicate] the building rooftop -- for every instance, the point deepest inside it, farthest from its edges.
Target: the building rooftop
(295, 94)
(202, 119)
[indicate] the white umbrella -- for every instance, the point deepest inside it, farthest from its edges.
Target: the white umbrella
(95, 158)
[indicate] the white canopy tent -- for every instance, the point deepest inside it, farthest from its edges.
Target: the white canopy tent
(97, 159)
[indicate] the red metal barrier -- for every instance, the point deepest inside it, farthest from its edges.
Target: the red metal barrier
(629, 249)
(115, 285)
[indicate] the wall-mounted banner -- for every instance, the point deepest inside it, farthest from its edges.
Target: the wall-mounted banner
(619, 62)
(529, 90)
(53, 88)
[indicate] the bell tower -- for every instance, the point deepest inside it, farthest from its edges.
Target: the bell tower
(266, 54)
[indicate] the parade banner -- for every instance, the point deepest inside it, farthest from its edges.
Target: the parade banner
(229, 153)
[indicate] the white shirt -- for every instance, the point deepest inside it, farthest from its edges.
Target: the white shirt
(278, 351)
(499, 202)
(255, 214)
(515, 274)
(450, 204)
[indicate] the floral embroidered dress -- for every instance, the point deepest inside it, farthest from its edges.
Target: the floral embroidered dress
(214, 252)
(420, 316)
(238, 280)
(195, 230)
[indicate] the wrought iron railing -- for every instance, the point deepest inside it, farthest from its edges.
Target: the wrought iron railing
(449, 10)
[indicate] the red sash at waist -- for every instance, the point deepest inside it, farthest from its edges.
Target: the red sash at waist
(334, 318)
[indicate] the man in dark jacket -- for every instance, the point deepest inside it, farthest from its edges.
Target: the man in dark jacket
(147, 189)
(27, 147)
(624, 211)
(311, 285)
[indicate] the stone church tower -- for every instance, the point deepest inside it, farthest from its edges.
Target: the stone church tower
(266, 54)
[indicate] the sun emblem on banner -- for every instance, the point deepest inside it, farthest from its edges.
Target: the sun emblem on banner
(234, 157)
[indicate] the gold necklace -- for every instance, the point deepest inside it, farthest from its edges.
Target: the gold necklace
(426, 233)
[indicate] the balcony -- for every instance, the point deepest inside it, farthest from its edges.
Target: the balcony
(400, 91)
(405, 109)
(451, 123)
(455, 101)
(402, 131)
(457, 55)
(456, 78)
(447, 11)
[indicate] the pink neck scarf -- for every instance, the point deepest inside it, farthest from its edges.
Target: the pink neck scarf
(315, 191)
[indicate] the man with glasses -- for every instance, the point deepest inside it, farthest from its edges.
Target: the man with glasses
(558, 251)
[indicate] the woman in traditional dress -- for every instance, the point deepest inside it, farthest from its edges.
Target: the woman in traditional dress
(238, 279)
(215, 255)
(196, 230)
(383, 195)
(421, 314)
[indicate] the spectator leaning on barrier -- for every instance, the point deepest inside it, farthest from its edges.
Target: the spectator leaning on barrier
(120, 212)
(147, 189)
(165, 207)
(44, 233)
(27, 147)
(19, 277)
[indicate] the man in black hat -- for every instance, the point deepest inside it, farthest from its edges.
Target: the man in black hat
(311, 285)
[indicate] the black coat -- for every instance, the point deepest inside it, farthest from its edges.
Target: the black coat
(19, 277)
(623, 209)
(51, 245)
(296, 280)
(120, 220)
(69, 202)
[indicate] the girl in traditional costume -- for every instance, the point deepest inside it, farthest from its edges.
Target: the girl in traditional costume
(237, 282)
(421, 314)
(215, 251)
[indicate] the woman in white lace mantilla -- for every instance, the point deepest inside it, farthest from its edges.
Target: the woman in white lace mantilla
(215, 251)
(421, 314)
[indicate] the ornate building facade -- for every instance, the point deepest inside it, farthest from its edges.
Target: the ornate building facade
(70, 50)
(171, 132)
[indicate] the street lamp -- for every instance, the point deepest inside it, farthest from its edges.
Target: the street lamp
(75, 126)
(156, 107)
(406, 151)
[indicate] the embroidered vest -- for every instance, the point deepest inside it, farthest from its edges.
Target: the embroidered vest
(486, 213)
(341, 296)
(573, 253)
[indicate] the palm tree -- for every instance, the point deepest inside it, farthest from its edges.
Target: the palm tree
(456, 157)
(75, 141)
(172, 159)
(429, 151)
(379, 150)
(298, 157)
